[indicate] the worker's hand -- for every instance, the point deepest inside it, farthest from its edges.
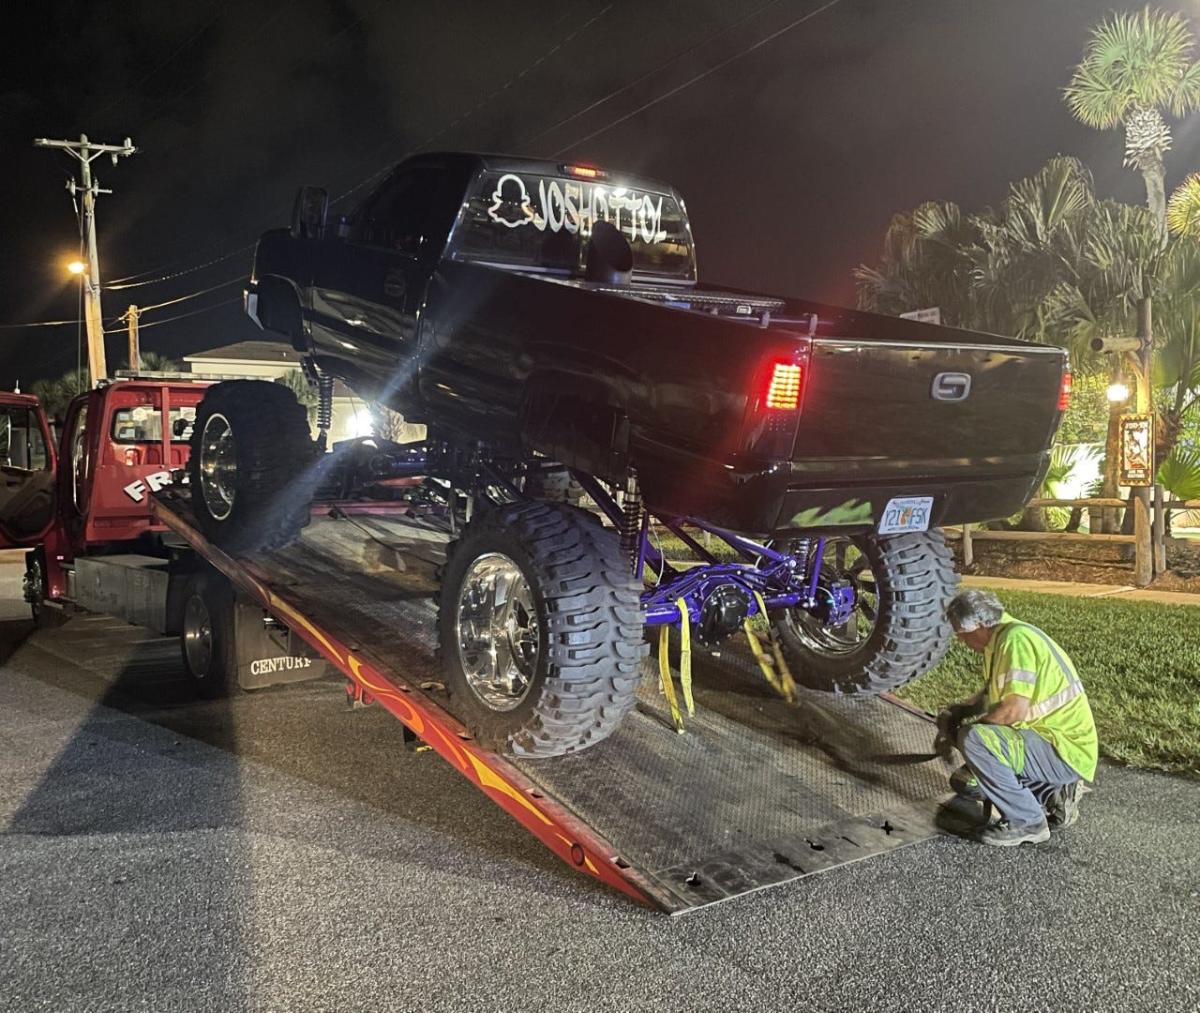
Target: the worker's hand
(949, 721)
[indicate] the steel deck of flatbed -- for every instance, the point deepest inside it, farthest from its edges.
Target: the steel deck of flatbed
(755, 793)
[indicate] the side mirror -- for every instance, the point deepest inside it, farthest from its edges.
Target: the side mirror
(309, 213)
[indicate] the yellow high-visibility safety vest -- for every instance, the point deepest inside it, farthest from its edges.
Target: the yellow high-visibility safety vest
(1024, 660)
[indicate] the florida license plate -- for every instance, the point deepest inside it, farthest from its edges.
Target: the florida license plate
(906, 513)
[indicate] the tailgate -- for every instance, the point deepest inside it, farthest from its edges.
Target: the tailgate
(927, 409)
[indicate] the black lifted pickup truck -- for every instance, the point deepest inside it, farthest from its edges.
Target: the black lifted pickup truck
(545, 321)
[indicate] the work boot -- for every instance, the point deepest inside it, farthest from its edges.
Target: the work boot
(1004, 835)
(1063, 806)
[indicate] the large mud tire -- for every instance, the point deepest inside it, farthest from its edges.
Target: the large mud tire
(914, 579)
(554, 485)
(582, 603)
(263, 499)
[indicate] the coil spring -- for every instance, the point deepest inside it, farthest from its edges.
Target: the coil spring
(631, 519)
(800, 552)
(324, 401)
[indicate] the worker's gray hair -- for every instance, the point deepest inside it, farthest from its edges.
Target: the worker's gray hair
(971, 609)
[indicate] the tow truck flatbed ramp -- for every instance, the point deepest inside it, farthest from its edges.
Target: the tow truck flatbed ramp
(755, 793)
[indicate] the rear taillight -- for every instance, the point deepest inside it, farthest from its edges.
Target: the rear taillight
(783, 386)
(1064, 392)
(773, 409)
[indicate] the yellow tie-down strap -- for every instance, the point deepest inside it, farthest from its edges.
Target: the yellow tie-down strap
(685, 666)
(774, 668)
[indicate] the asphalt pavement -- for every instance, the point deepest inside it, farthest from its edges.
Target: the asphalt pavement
(278, 851)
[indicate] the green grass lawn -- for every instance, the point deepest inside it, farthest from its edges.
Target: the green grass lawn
(1139, 662)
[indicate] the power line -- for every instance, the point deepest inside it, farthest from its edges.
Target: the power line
(699, 77)
(168, 59)
(136, 280)
(180, 316)
(174, 100)
(192, 295)
(133, 278)
(649, 74)
(40, 323)
(178, 274)
(485, 101)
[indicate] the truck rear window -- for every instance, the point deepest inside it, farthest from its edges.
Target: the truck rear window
(143, 423)
(543, 222)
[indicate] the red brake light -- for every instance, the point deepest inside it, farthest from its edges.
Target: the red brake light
(1064, 392)
(783, 386)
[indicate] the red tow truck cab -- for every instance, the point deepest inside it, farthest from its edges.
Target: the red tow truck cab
(97, 543)
(120, 442)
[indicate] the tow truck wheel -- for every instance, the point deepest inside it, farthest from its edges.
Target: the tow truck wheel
(207, 636)
(898, 629)
(540, 630)
(251, 454)
(33, 585)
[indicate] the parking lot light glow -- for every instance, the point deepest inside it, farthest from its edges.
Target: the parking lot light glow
(1117, 392)
(77, 267)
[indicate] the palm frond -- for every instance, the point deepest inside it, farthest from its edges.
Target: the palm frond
(1179, 474)
(1135, 59)
(1183, 208)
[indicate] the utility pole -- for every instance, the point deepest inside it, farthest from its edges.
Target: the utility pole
(135, 353)
(86, 152)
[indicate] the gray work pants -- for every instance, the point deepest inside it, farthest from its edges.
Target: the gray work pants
(1017, 770)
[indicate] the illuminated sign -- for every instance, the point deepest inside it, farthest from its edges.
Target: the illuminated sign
(1137, 450)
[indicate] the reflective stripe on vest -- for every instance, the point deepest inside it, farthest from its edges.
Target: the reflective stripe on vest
(1063, 697)
(1060, 699)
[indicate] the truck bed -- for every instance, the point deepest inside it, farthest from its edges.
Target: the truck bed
(756, 793)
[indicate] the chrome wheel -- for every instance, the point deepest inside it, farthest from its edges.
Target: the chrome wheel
(844, 559)
(497, 632)
(218, 466)
(197, 636)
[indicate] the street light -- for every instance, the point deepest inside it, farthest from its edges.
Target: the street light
(77, 267)
(1117, 392)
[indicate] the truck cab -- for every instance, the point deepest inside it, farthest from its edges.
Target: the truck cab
(120, 442)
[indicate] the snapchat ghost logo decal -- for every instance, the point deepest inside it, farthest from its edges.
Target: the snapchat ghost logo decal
(510, 202)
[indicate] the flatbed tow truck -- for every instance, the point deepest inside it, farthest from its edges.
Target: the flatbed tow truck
(755, 793)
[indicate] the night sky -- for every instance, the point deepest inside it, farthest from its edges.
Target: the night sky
(792, 158)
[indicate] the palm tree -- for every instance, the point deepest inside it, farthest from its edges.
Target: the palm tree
(1032, 250)
(56, 394)
(1135, 67)
(926, 261)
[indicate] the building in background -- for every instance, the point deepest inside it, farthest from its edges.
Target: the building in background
(267, 360)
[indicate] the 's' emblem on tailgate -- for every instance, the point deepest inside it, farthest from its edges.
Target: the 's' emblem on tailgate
(951, 387)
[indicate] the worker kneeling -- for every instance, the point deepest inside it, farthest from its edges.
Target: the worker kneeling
(1034, 742)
